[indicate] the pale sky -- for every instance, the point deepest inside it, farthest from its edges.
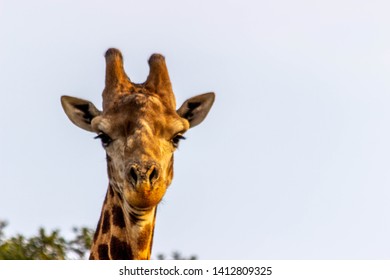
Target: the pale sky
(293, 161)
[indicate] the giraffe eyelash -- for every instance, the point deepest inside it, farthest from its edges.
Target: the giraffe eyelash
(106, 140)
(176, 139)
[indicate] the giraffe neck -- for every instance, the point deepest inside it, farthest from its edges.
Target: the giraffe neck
(123, 232)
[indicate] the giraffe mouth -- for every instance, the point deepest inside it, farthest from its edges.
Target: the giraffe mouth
(143, 196)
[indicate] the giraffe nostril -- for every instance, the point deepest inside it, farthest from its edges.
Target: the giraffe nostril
(133, 175)
(153, 175)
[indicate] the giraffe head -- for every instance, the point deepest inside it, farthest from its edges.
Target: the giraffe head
(139, 128)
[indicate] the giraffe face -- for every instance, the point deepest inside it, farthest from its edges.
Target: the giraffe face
(139, 127)
(140, 136)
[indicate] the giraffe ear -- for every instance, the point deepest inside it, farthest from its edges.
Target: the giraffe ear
(80, 112)
(196, 108)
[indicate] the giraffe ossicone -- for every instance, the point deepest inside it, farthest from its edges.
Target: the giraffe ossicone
(140, 128)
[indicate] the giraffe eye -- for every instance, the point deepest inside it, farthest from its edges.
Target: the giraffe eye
(106, 140)
(175, 140)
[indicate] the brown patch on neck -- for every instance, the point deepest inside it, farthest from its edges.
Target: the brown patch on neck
(120, 250)
(118, 217)
(106, 225)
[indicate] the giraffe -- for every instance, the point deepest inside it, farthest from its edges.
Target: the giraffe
(140, 129)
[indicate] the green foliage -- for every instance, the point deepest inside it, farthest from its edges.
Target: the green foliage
(52, 246)
(82, 242)
(176, 256)
(45, 246)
